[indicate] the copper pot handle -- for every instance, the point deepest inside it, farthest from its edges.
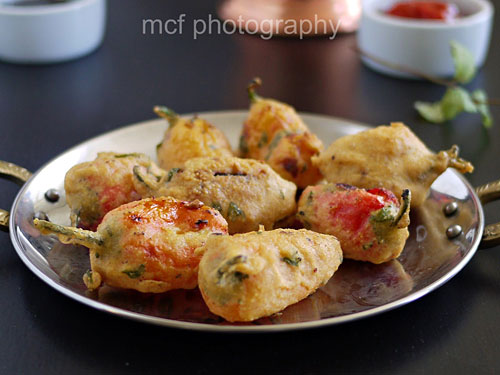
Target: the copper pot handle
(487, 193)
(17, 174)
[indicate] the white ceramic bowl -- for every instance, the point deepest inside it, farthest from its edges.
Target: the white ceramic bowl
(423, 45)
(42, 34)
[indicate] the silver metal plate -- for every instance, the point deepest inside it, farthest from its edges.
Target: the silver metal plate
(356, 291)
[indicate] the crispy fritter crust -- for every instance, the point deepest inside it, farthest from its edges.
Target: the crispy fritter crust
(248, 276)
(275, 133)
(96, 187)
(391, 157)
(247, 192)
(370, 225)
(189, 139)
(147, 245)
(159, 234)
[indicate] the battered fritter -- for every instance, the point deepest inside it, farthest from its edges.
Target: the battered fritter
(247, 192)
(391, 157)
(96, 187)
(189, 138)
(275, 133)
(147, 245)
(248, 276)
(371, 225)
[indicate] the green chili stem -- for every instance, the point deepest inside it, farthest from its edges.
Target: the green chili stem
(164, 112)
(78, 236)
(405, 207)
(252, 86)
(463, 166)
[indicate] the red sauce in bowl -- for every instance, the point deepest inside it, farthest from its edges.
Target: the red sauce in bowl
(433, 10)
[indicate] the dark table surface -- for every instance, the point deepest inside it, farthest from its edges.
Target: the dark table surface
(47, 109)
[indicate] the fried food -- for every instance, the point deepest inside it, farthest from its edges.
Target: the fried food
(147, 245)
(390, 157)
(247, 192)
(96, 187)
(371, 225)
(189, 138)
(248, 276)
(274, 132)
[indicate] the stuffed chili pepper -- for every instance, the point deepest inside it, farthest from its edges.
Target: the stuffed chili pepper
(275, 133)
(371, 225)
(390, 157)
(148, 245)
(96, 187)
(246, 192)
(189, 138)
(247, 276)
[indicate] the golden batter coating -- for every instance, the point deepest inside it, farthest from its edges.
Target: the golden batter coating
(275, 133)
(147, 245)
(291, 158)
(248, 276)
(189, 138)
(96, 187)
(247, 192)
(391, 157)
(371, 225)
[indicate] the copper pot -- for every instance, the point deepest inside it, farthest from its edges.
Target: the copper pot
(272, 16)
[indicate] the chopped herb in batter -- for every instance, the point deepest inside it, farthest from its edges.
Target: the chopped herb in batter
(225, 269)
(89, 277)
(243, 145)
(293, 260)
(384, 214)
(171, 173)
(217, 206)
(134, 274)
(277, 138)
(127, 155)
(263, 140)
(234, 212)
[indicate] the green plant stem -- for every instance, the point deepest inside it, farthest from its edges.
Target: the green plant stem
(408, 70)
(416, 73)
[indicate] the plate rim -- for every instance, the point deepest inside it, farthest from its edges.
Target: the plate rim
(194, 326)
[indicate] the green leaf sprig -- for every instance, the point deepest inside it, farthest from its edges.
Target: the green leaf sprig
(457, 99)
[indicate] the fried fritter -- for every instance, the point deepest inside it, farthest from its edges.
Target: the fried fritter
(189, 138)
(247, 192)
(390, 157)
(371, 225)
(275, 133)
(147, 245)
(248, 276)
(96, 187)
